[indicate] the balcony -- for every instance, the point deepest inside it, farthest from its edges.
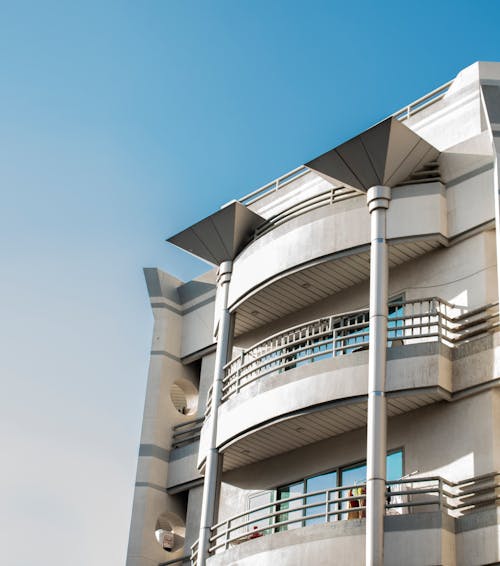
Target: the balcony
(309, 383)
(331, 521)
(410, 322)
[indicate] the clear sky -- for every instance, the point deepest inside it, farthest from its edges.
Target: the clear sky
(120, 124)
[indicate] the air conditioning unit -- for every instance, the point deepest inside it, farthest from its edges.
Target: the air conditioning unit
(168, 540)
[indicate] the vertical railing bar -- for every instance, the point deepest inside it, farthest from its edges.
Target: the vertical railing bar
(440, 487)
(228, 535)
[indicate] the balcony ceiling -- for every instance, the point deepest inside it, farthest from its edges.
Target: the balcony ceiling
(292, 432)
(311, 284)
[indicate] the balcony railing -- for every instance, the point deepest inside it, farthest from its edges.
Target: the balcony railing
(275, 185)
(422, 102)
(423, 320)
(186, 433)
(325, 198)
(403, 114)
(404, 496)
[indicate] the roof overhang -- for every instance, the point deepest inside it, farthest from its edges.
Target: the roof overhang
(220, 236)
(386, 154)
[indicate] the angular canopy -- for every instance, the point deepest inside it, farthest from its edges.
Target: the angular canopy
(220, 236)
(386, 154)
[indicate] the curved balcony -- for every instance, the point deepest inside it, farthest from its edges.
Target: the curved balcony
(326, 514)
(280, 267)
(309, 383)
(423, 320)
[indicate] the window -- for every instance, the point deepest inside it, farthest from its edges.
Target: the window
(353, 476)
(258, 500)
(394, 325)
(289, 492)
(353, 331)
(319, 483)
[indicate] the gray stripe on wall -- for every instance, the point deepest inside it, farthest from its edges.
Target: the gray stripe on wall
(168, 307)
(470, 174)
(154, 451)
(200, 304)
(166, 354)
(193, 289)
(152, 485)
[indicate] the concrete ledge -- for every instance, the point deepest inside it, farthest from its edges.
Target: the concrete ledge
(344, 540)
(478, 520)
(341, 379)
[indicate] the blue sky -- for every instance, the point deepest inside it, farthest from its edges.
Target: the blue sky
(120, 124)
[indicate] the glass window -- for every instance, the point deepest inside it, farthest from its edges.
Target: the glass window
(395, 327)
(352, 477)
(288, 492)
(320, 483)
(352, 333)
(355, 478)
(394, 465)
(257, 500)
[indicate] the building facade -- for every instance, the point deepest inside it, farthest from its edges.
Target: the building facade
(268, 371)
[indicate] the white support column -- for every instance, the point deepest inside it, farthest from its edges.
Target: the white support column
(378, 198)
(211, 487)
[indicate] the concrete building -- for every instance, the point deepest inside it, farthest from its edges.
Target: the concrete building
(333, 416)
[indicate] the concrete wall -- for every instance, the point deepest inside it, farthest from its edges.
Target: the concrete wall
(464, 274)
(415, 211)
(151, 501)
(173, 304)
(418, 366)
(477, 538)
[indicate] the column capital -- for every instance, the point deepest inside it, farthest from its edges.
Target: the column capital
(378, 197)
(224, 272)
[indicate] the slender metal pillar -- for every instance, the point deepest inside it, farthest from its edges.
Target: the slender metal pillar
(378, 198)
(212, 477)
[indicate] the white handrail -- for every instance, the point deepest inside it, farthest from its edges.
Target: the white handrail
(333, 504)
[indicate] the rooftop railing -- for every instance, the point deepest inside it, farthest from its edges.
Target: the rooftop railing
(422, 102)
(403, 114)
(422, 320)
(404, 496)
(273, 186)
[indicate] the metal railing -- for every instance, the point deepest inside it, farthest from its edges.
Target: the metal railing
(186, 433)
(404, 496)
(422, 102)
(275, 185)
(421, 320)
(194, 553)
(324, 198)
(403, 114)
